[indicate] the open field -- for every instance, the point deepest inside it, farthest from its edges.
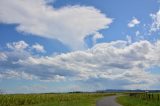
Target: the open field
(140, 99)
(73, 99)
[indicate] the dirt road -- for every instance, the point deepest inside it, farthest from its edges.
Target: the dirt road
(108, 101)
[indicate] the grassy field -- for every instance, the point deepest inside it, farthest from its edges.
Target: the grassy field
(139, 100)
(73, 99)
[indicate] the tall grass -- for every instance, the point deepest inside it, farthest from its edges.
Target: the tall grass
(54, 99)
(140, 99)
(146, 96)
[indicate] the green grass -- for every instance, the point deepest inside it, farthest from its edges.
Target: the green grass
(136, 101)
(79, 99)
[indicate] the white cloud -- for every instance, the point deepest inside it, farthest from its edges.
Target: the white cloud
(110, 61)
(3, 56)
(116, 61)
(133, 22)
(156, 22)
(9, 74)
(38, 48)
(20, 45)
(70, 24)
(21, 48)
(137, 33)
(129, 39)
(97, 36)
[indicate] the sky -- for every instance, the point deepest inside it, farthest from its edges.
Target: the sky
(79, 45)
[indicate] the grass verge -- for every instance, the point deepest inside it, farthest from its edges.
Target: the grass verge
(133, 101)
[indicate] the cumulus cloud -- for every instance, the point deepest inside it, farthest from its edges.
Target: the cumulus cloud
(113, 61)
(133, 22)
(21, 50)
(97, 36)
(156, 22)
(9, 74)
(69, 24)
(19, 46)
(38, 48)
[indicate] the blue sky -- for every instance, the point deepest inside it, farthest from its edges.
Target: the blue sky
(80, 44)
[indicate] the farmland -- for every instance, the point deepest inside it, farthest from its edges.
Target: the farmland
(140, 99)
(68, 99)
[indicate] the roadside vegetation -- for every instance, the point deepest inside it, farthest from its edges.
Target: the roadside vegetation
(68, 99)
(140, 99)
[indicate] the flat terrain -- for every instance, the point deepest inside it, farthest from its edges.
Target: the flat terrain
(138, 101)
(68, 99)
(108, 101)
